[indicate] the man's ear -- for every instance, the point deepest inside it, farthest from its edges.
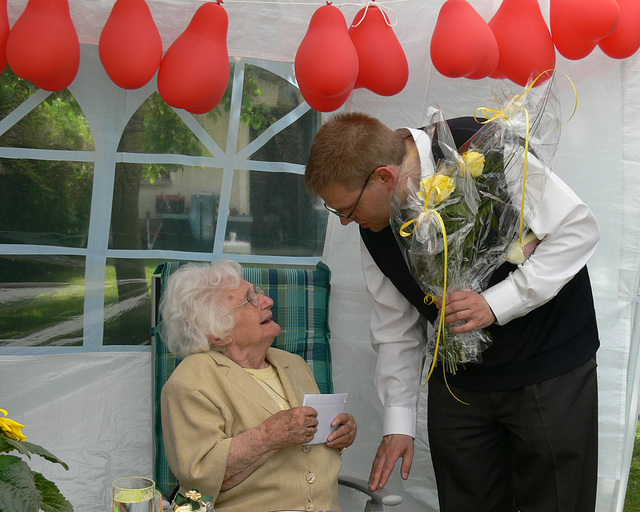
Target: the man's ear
(388, 176)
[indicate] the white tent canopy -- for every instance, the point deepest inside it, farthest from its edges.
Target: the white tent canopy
(90, 403)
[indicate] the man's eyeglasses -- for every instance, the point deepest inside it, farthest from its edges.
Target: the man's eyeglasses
(252, 298)
(350, 214)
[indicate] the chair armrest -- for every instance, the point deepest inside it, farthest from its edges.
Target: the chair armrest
(380, 495)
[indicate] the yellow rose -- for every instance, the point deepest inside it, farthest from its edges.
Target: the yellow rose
(436, 189)
(473, 163)
(11, 428)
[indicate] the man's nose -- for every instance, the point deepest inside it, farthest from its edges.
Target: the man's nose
(344, 221)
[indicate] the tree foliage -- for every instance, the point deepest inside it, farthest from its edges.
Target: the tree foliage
(44, 201)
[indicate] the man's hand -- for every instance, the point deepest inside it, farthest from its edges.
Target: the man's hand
(468, 307)
(392, 447)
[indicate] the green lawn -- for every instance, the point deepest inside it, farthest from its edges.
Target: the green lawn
(53, 309)
(632, 501)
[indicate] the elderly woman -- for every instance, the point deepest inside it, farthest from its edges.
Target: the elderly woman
(232, 418)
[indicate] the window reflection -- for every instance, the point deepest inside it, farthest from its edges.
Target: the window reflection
(177, 206)
(41, 300)
(127, 304)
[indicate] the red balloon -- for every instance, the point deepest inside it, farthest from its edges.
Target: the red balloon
(462, 44)
(194, 73)
(203, 107)
(130, 44)
(326, 63)
(383, 66)
(524, 42)
(625, 40)
(43, 45)
(324, 104)
(577, 25)
(4, 34)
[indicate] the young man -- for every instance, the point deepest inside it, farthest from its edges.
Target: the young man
(528, 438)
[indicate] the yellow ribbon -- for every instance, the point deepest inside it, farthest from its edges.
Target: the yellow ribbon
(513, 106)
(430, 299)
(516, 103)
(428, 203)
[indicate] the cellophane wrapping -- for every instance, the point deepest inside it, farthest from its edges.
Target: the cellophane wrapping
(458, 216)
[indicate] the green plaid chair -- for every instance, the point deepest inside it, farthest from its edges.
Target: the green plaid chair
(301, 307)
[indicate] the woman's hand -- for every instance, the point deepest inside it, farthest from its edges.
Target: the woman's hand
(252, 448)
(291, 427)
(345, 434)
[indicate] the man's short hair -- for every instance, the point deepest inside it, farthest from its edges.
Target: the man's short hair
(348, 148)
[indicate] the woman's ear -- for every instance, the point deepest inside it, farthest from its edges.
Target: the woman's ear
(218, 342)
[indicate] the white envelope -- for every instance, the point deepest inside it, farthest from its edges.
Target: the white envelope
(328, 407)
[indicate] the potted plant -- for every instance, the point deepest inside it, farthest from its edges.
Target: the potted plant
(21, 489)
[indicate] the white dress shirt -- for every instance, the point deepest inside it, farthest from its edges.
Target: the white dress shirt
(569, 235)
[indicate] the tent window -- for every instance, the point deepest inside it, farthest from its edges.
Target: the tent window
(84, 221)
(41, 301)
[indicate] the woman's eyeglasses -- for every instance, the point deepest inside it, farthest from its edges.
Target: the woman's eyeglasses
(350, 214)
(252, 298)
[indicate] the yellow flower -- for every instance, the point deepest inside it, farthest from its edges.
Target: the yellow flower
(11, 428)
(436, 189)
(473, 163)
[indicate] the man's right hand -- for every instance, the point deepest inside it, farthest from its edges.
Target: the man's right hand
(392, 447)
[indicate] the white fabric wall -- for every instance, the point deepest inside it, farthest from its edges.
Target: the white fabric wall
(93, 410)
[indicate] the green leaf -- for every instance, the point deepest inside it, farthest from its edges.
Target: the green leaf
(39, 450)
(8, 444)
(18, 492)
(52, 498)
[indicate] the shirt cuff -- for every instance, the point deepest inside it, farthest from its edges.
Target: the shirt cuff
(399, 420)
(505, 301)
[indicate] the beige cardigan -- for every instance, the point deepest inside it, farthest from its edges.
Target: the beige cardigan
(208, 400)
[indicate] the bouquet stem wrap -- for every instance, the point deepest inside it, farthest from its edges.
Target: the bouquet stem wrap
(460, 215)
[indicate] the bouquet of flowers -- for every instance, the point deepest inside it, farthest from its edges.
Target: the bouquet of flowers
(463, 214)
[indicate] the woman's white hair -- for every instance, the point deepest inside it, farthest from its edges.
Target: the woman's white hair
(192, 308)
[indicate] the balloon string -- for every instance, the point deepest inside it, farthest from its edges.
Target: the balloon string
(312, 4)
(382, 9)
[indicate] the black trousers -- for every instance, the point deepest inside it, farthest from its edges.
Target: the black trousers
(531, 449)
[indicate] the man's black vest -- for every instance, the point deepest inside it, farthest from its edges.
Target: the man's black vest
(551, 340)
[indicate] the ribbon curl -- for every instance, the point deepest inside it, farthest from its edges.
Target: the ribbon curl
(516, 104)
(510, 109)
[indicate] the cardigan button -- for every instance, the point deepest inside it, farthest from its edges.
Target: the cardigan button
(305, 448)
(311, 477)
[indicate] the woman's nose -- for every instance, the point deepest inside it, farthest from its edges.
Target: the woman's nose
(266, 302)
